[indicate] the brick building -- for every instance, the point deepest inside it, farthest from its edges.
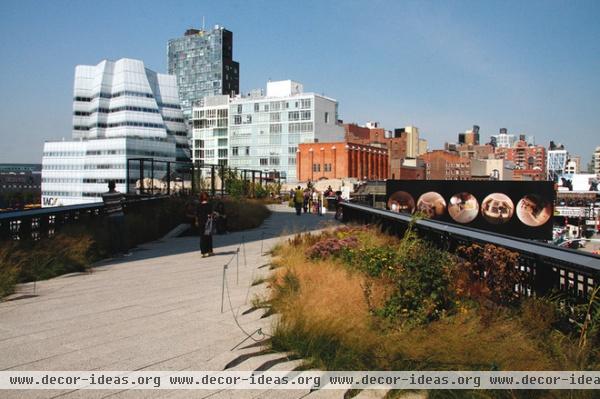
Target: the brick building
(401, 144)
(529, 160)
(339, 160)
(445, 165)
(475, 151)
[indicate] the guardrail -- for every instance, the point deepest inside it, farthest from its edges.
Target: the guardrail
(46, 222)
(548, 267)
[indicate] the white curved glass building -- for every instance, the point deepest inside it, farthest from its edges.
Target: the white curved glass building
(121, 110)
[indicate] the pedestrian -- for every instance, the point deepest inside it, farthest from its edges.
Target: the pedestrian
(221, 218)
(113, 208)
(315, 202)
(204, 221)
(298, 198)
(305, 200)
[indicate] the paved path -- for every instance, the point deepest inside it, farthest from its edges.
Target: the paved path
(156, 310)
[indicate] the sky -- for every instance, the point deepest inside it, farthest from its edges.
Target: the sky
(532, 67)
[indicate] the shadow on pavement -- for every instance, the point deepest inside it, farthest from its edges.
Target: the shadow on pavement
(283, 221)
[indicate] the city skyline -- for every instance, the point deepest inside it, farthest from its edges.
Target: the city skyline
(531, 68)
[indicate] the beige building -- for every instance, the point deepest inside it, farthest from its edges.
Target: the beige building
(496, 169)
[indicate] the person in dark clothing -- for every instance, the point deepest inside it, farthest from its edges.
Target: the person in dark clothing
(298, 200)
(221, 218)
(306, 200)
(113, 208)
(204, 221)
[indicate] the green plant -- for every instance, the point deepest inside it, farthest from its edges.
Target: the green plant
(423, 290)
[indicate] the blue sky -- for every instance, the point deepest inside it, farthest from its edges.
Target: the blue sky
(532, 67)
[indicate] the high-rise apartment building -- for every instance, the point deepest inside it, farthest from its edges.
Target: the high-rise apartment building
(203, 63)
(503, 139)
(121, 110)
(470, 137)
(262, 131)
(596, 161)
(529, 160)
(556, 163)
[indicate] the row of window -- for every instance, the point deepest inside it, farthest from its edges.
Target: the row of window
(211, 113)
(317, 167)
(299, 115)
(177, 133)
(235, 151)
(275, 161)
(61, 193)
(117, 109)
(169, 119)
(102, 125)
(114, 95)
(107, 152)
(208, 123)
(221, 153)
(64, 153)
(18, 186)
(277, 105)
(300, 127)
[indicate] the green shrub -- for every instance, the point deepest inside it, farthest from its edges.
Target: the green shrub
(244, 214)
(423, 289)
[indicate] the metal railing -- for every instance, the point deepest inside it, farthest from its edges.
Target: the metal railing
(548, 268)
(147, 176)
(36, 224)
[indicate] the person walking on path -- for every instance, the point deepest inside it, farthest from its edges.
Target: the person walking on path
(113, 208)
(305, 200)
(298, 200)
(204, 221)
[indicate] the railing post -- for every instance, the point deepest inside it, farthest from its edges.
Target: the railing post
(169, 178)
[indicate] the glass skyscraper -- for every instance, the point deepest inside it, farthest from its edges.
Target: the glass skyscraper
(203, 63)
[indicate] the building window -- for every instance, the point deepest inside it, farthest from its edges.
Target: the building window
(234, 151)
(274, 161)
(223, 153)
(305, 103)
(292, 150)
(316, 167)
(264, 161)
(239, 108)
(256, 107)
(291, 161)
(327, 167)
(305, 115)
(275, 128)
(293, 116)
(247, 150)
(237, 120)
(326, 117)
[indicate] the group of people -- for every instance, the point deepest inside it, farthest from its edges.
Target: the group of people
(310, 200)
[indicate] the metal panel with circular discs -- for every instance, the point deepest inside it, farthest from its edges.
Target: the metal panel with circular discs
(517, 208)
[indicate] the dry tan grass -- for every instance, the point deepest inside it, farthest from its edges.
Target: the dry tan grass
(322, 301)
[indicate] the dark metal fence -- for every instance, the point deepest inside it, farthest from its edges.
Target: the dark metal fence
(147, 176)
(548, 268)
(45, 223)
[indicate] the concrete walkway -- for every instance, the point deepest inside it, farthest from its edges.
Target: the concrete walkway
(159, 309)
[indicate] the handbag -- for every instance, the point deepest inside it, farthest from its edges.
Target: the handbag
(209, 227)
